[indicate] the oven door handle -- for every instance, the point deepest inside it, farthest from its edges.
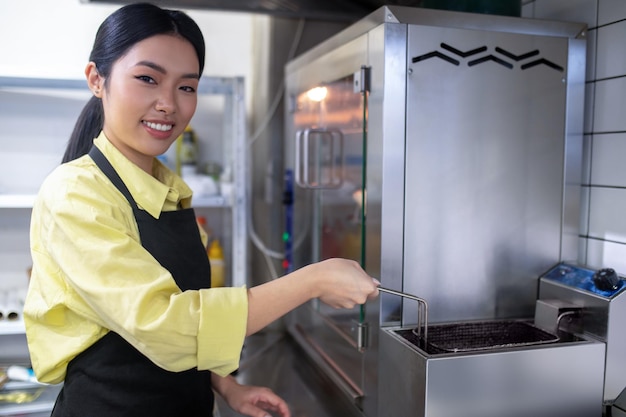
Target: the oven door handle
(319, 158)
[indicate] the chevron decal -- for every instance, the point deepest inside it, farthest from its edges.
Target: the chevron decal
(500, 56)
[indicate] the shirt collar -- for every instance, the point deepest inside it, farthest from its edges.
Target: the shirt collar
(162, 191)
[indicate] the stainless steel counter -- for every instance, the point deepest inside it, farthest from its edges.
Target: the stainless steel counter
(274, 360)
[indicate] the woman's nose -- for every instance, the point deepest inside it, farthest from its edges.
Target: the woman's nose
(166, 103)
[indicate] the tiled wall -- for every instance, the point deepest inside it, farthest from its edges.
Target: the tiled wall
(603, 222)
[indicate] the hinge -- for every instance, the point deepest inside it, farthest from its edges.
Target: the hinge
(362, 80)
(362, 336)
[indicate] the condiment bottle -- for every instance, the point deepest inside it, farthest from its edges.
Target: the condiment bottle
(216, 258)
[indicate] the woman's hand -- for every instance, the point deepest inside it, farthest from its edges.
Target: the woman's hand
(343, 283)
(250, 400)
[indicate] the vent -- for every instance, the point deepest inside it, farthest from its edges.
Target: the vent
(499, 56)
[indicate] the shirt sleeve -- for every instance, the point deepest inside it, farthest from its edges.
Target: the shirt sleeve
(97, 277)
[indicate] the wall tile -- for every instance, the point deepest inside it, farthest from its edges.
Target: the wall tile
(609, 105)
(607, 161)
(611, 11)
(607, 214)
(584, 11)
(610, 57)
(528, 9)
(601, 254)
(592, 39)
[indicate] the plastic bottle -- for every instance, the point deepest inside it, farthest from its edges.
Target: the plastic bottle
(203, 223)
(216, 258)
(187, 153)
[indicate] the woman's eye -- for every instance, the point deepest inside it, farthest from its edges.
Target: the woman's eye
(188, 89)
(146, 79)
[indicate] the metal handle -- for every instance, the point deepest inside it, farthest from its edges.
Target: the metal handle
(422, 310)
(310, 160)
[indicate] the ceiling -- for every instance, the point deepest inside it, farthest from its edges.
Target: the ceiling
(330, 10)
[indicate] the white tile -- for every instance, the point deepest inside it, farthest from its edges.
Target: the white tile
(609, 105)
(607, 160)
(592, 39)
(607, 214)
(528, 9)
(602, 254)
(611, 11)
(610, 56)
(584, 11)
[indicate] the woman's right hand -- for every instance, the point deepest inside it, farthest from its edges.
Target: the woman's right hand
(340, 283)
(343, 283)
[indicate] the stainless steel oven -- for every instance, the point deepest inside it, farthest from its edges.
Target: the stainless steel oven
(442, 151)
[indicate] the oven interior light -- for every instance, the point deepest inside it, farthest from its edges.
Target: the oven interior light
(317, 93)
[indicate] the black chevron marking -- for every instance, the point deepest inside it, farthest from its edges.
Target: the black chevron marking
(434, 54)
(490, 58)
(540, 62)
(461, 53)
(516, 57)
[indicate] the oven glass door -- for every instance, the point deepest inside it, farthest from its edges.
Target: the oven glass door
(329, 198)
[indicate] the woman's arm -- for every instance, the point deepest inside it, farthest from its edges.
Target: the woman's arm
(340, 283)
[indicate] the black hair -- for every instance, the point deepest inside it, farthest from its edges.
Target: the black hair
(116, 35)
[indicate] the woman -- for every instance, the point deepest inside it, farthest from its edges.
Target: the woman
(119, 306)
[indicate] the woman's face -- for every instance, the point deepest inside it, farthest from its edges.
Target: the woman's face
(150, 97)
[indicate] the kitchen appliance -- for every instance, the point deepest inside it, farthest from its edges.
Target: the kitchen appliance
(594, 304)
(619, 407)
(441, 150)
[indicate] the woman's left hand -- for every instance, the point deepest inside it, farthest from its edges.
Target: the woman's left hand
(253, 401)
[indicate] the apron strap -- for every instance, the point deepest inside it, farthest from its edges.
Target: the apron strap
(105, 166)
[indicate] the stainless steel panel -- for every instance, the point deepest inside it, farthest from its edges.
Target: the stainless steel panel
(549, 381)
(484, 172)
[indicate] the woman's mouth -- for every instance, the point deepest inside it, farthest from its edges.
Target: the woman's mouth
(159, 126)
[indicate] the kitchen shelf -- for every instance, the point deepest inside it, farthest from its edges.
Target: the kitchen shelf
(8, 327)
(43, 402)
(17, 200)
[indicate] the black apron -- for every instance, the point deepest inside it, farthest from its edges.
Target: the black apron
(113, 379)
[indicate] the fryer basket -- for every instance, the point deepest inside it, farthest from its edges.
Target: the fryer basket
(477, 336)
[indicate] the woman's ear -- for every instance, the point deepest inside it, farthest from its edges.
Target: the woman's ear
(94, 79)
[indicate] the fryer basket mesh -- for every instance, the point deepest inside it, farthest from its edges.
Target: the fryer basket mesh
(476, 336)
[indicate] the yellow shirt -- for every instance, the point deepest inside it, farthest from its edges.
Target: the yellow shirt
(91, 275)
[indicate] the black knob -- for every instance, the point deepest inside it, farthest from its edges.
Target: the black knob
(606, 279)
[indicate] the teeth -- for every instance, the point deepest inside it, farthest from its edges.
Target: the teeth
(158, 126)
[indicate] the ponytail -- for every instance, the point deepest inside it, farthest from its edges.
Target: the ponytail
(88, 127)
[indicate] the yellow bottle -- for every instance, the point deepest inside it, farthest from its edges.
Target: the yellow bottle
(216, 258)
